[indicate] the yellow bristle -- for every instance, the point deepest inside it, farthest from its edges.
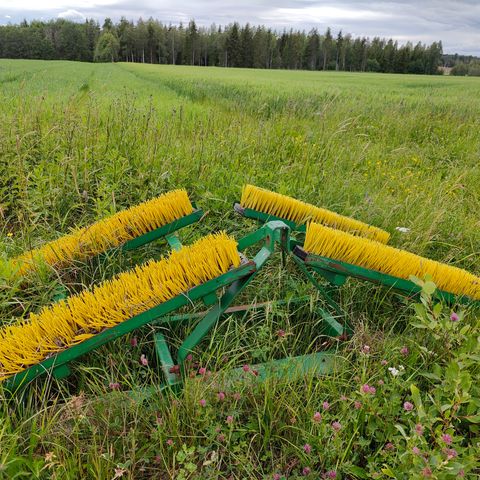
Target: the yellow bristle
(327, 242)
(71, 321)
(300, 212)
(107, 233)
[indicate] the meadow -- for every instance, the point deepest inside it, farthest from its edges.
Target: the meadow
(80, 141)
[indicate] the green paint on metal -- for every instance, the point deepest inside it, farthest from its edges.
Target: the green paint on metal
(330, 326)
(165, 359)
(291, 369)
(173, 241)
(148, 237)
(267, 217)
(138, 321)
(319, 263)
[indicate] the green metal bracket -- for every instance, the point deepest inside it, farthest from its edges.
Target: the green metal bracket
(291, 369)
(323, 264)
(164, 231)
(266, 217)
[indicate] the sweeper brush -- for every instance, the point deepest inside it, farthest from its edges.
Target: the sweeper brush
(277, 206)
(336, 245)
(110, 232)
(82, 316)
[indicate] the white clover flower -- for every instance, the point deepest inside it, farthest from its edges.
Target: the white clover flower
(402, 229)
(393, 371)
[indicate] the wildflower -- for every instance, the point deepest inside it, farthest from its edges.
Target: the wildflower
(114, 386)
(293, 421)
(325, 405)
(390, 446)
(402, 229)
(221, 396)
(159, 419)
(331, 474)
(202, 402)
(381, 382)
(169, 442)
(133, 341)
(416, 451)
(357, 405)
(229, 419)
(174, 369)
(144, 360)
(202, 371)
(221, 438)
(366, 388)
(383, 362)
(366, 349)
(336, 426)
(307, 448)
(255, 373)
(393, 371)
(246, 368)
(306, 471)
(404, 351)
(280, 333)
(407, 406)
(419, 429)
(189, 357)
(317, 417)
(343, 398)
(447, 439)
(236, 396)
(427, 472)
(277, 476)
(451, 453)
(119, 472)
(454, 317)
(9, 234)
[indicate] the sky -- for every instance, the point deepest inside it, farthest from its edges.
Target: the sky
(455, 22)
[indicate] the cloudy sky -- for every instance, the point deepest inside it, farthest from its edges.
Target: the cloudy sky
(455, 22)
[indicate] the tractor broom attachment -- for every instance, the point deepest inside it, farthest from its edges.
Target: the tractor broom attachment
(82, 317)
(335, 255)
(129, 228)
(264, 205)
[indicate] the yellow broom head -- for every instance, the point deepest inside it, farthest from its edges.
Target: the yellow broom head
(107, 233)
(81, 316)
(327, 242)
(299, 212)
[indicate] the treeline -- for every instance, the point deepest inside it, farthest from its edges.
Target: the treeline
(232, 46)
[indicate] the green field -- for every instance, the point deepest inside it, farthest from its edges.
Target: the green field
(80, 141)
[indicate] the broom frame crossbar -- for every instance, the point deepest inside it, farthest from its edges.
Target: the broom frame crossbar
(326, 266)
(235, 280)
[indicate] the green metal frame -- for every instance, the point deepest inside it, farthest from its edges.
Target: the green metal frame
(235, 280)
(166, 231)
(266, 217)
(333, 274)
(336, 272)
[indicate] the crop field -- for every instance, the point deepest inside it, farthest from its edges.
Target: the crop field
(82, 141)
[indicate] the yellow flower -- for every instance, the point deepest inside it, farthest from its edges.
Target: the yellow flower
(9, 234)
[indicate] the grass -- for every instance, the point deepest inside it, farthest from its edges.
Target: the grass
(79, 141)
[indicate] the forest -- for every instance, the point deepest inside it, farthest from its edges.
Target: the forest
(235, 45)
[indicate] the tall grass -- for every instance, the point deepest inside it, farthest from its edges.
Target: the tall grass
(79, 141)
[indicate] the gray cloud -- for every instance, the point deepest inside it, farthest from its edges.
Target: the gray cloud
(455, 22)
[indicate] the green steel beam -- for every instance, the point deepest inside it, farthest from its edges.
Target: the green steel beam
(148, 237)
(291, 369)
(72, 353)
(266, 217)
(165, 359)
(323, 264)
